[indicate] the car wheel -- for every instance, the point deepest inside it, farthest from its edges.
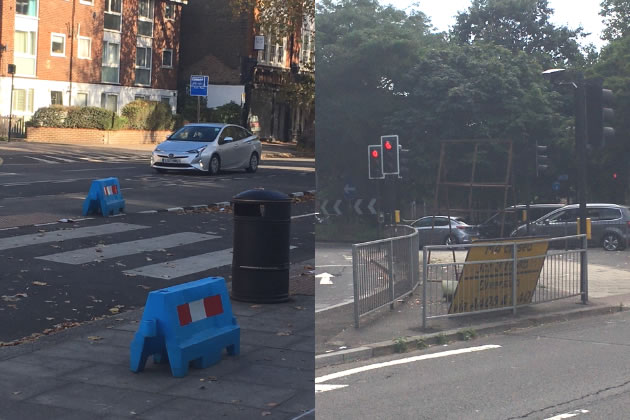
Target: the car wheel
(450, 240)
(214, 166)
(612, 242)
(253, 163)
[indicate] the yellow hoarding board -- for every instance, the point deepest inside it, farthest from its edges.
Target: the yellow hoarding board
(488, 284)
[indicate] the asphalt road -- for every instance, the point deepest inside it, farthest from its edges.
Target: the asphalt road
(64, 273)
(42, 183)
(575, 370)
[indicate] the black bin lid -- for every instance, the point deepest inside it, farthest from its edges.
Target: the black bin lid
(260, 195)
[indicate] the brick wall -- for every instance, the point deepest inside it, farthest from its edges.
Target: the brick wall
(94, 137)
(7, 27)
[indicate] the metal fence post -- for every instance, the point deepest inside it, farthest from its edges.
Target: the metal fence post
(514, 279)
(355, 281)
(390, 269)
(424, 288)
(584, 270)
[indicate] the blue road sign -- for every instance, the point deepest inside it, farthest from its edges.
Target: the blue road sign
(198, 85)
(555, 186)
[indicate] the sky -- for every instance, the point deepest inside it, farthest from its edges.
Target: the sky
(566, 12)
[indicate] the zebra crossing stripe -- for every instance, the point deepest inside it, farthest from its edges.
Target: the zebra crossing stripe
(66, 234)
(59, 158)
(104, 252)
(41, 160)
(185, 266)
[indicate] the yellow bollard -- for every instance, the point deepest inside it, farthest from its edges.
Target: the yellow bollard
(577, 222)
(397, 216)
(524, 215)
(588, 228)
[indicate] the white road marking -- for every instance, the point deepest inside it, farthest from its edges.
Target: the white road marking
(325, 278)
(65, 234)
(568, 415)
(42, 160)
(288, 168)
(59, 158)
(333, 265)
(86, 255)
(306, 413)
(349, 372)
(7, 173)
(299, 216)
(323, 388)
(185, 266)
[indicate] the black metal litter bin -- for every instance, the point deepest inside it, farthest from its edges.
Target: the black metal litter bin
(260, 263)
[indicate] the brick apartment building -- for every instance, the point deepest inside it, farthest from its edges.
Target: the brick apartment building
(218, 44)
(102, 53)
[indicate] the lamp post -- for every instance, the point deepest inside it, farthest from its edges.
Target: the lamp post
(11, 71)
(579, 91)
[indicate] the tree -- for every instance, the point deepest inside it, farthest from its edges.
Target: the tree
(519, 25)
(616, 14)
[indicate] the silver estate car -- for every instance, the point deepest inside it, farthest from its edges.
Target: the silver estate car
(434, 230)
(209, 148)
(610, 224)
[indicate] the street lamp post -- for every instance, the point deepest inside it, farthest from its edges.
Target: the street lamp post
(579, 91)
(11, 71)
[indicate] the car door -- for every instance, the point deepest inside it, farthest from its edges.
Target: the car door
(242, 149)
(562, 223)
(227, 149)
(603, 218)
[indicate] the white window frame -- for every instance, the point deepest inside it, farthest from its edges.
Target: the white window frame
(147, 18)
(87, 98)
(54, 54)
(87, 2)
(166, 5)
(84, 38)
(103, 64)
(170, 66)
(105, 12)
(105, 95)
(56, 91)
(146, 67)
(29, 16)
(27, 55)
(29, 96)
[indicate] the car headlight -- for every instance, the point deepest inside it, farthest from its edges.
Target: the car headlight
(197, 151)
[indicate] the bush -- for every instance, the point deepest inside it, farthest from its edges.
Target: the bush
(148, 115)
(90, 117)
(53, 116)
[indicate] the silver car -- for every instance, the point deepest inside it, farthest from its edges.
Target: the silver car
(434, 230)
(610, 224)
(209, 148)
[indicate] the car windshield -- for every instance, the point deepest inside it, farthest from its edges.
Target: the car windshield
(196, 133)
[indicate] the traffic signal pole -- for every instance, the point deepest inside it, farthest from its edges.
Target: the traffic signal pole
(580, 143)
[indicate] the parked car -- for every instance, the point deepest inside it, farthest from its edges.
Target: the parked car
(515, 216)
(434, 230)
(610, 224)
(208, 148)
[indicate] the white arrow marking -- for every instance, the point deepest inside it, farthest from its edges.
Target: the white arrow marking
(348, 257)
(348, 372)
(558, 417)
(323, 388)
(325, 278)
(336, 207)
(357, 205)
(348, 189)
(371, 206)
(324, 208)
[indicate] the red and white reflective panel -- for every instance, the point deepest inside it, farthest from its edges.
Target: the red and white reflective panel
(199, 309)
(111, 190)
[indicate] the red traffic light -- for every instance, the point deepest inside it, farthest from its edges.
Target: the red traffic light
(615, 175)
(374, 154)
(388, 145)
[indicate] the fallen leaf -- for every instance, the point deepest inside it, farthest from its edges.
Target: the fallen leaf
(17, 392)
(149, 259)
(48, 318)
(40, 283)
(14, 298)
(95, 338)
(284, 333)
(272, 404)
(130, 274)
(114, 310)
(144, 287)
(265, 413)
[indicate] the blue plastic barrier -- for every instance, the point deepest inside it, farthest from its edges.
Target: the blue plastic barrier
(104, 197)
(190, 322)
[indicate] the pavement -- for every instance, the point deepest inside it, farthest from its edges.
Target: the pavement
(83, 372)
(399, 330)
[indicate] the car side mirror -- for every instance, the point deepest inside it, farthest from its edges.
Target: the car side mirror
(228, 139)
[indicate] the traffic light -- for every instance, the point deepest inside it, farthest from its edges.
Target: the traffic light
(389, 146)
(599, 114)
(404, 156)
(375, 162)
(542, 160)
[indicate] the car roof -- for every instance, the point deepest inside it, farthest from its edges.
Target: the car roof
(533, 206)
(218, 125)
(572, 206)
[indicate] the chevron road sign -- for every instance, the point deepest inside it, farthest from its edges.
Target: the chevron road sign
(359, 206)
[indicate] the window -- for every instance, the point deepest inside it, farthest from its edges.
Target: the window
(604, 213)
(145, 17)
(109, 101)
(141, 97)
(143, 66)
(113, 12)
(58, 45)
(24, 48)
(169, 10)
(81, 99)
(26, 7)
(273, 52)
(565, 216)
(85, 47)
(88, 2)
(56, 97)
(306, 49)
(167, 58)
(166, 100)
(111, 61)
(23, 100)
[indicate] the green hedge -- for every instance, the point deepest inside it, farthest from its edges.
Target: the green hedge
(77, 117)
(148, 115)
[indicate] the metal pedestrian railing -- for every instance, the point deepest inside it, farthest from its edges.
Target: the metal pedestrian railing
(385, 270)
(502, 275)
